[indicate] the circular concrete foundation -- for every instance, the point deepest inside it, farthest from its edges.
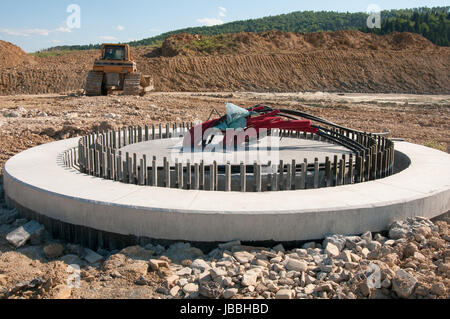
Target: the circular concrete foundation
(100, 212)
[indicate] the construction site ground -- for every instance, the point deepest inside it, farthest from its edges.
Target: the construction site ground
(344, 61)
(380, 84)
(44, 118)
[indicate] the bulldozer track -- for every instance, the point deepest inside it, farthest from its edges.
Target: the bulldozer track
(94, 83)
(131, 84)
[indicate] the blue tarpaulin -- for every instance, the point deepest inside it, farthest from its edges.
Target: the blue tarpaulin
(236, 118)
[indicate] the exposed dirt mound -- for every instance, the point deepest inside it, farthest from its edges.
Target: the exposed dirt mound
(344, 61)
(53, 74)
(327, 70)
(11, 55)
(277, 41)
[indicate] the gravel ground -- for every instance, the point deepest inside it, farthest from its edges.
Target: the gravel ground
(411, 261)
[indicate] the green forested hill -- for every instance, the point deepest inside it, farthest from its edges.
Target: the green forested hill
(433, 23)
(306, 21)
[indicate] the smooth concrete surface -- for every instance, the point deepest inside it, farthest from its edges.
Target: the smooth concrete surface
(37, 180)
(268, 149)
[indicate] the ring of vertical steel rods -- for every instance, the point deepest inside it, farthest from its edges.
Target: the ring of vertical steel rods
(99, 155)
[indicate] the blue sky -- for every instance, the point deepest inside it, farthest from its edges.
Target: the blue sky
(35, 25)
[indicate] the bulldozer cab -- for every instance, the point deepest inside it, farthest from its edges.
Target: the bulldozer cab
(116, 52)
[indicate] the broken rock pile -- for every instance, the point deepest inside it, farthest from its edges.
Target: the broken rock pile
(410, 261)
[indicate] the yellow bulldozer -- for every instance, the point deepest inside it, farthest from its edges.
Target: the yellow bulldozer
(117, 71)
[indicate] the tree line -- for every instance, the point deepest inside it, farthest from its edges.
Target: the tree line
(432, 23)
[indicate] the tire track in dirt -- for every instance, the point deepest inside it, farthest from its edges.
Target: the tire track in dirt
(344, 71)
(275, 62)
